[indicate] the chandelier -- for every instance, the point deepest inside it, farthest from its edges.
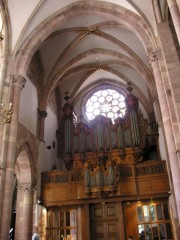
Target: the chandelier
(5, 113)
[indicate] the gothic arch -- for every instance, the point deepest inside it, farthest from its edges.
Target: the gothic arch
(24, 165)
(26, 186)
(135, 24)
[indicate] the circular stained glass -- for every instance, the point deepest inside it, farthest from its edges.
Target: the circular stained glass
(115, 102)
(104, 93)
(96, 112)
(96, 105)
(89, 109)
(101, 99)
(94, 98)
(110, 114)
(107, 102)
(122, 105)
(116, 95)
(115, 109)
(109, 98)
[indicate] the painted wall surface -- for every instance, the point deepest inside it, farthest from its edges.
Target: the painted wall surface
(28, 107)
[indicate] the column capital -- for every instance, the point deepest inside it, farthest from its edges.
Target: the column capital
(153, 57)
(155, 98)
(27, 187)
(42, 114)
(19, 81)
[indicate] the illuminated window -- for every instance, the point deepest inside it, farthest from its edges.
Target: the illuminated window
(154, 222)
(61, 224)
(106, 102)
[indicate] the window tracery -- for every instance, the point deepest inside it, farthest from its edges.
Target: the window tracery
(107, 102)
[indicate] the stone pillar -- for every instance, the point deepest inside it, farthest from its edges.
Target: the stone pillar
(18, 84)
(157, 11)
(42, 116)
(19, 212)
(3, 69)
(178, 3)
(175, 14)
(4, 60)
(168, 128)
(27, 210)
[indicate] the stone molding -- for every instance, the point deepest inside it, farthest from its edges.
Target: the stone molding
(26, 187)
(19, 81)
(153, 57)
(42, 114)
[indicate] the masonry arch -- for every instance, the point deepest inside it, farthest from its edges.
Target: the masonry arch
(135, 24)
(25, 192)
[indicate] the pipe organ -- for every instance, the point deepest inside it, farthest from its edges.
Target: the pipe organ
(102, 137)
(104, 161)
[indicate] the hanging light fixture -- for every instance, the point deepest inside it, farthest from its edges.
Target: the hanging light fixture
(5, 113)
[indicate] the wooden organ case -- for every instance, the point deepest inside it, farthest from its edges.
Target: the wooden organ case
(106, 168)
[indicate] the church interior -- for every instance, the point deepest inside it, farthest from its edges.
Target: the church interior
(95, 153)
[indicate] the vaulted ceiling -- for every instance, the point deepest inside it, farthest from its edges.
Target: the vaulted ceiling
(77, 45)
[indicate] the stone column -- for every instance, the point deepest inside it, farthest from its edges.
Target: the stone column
(168, 128)
(4, 60)
(42, 116)
(175, 14)
(3, 70)
(18, 84)
(27, 210)
(178, 3)
(19, 211)
(157, 11)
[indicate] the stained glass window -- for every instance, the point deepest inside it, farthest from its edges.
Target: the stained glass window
(107, 102)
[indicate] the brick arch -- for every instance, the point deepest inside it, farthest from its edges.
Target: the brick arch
(127, 18)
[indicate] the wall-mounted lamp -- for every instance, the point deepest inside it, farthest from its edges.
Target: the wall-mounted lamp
(5, 113)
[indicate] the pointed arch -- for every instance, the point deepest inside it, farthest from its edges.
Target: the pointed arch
(135, 24)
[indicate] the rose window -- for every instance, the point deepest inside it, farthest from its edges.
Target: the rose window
(108, 103)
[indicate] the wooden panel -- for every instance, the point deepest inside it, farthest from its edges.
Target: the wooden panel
(128, 187)
(48, 195)
(153, 185)
(111, 211)
(61, 193)
(112, 230)
(73, 191)
(130, 219)
(105, 221)
(160, 185)
(144, 186)
(98, 212)
(140, 179)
